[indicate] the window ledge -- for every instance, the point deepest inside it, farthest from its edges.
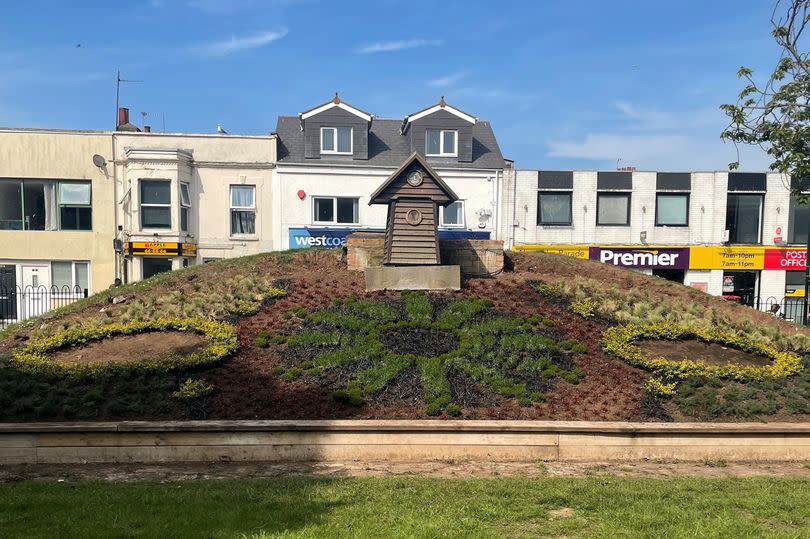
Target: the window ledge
(671, 226)
(335, 225)
(556, 227)
(247, 237)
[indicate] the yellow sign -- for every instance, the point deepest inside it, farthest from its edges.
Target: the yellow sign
(159, 248)
(738, 257)
(575, 251)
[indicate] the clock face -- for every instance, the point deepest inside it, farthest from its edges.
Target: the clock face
(413, 217)
(415, 178)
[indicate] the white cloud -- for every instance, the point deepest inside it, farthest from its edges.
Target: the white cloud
(654, 139)
(658, 152)
(447, 80)
(391, 46)
(236, 44)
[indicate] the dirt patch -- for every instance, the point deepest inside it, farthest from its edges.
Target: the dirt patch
(132, 348)
(418, 341)
(124, 472)
(711, 353)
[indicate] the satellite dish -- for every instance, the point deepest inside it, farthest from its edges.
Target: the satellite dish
(99, 161)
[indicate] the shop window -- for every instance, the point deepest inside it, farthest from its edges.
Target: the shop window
(156, 204)
(335, 210)
(152, 266)
(794, 283)
(45, 205)
(441, 142)
(452, 215)
(672, 209)
(337, 140)
(798, 222)
(74, 206)
(554, 208)
(243, 209)
(185, 206)
(70, 277)
(613, 209)
(743, 218)
(741, 286)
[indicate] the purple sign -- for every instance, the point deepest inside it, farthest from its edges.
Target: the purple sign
(631, 257)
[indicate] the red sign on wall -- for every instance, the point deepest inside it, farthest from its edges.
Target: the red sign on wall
(786, 259)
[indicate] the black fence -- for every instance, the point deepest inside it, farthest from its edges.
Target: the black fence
(18, 304)
(791, 309)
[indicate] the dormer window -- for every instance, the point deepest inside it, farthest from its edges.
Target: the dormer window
(337, 140)
(441, 143)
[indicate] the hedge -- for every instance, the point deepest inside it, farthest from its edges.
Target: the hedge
(34, 357)
(619, 341)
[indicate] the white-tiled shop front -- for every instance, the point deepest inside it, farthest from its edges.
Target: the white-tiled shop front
(740, 235)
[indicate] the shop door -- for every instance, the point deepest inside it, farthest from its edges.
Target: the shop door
(36, 289)
(741, 286)
(8, 293)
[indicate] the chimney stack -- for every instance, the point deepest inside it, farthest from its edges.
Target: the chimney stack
(147, 129)
(123, 116)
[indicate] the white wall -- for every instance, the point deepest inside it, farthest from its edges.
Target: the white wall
(477, 189)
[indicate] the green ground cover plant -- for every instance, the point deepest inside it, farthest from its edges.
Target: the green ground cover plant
(125, 395)
(34, 357)
(709, 399)
(500, 352)
(595, 506)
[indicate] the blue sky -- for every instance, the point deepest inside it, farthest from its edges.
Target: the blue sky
(565, 84)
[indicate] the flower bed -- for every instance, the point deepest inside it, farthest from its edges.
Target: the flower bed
(378, 341)
(35, 357)
(619, 341)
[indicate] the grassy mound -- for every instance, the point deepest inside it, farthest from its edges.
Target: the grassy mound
(552, 339)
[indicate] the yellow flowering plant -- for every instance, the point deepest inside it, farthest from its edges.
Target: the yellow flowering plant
(619, 341)
(35, 356)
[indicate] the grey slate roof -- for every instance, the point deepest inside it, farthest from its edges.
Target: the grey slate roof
(386, 147)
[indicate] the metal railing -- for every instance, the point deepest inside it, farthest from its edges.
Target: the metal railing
(792, 309)
(20, 303)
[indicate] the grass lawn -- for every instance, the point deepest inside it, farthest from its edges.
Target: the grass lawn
(601, 506)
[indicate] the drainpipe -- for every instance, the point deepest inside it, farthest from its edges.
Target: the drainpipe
(514, 205)
(117, 265)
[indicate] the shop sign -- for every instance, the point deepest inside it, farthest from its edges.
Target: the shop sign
(786, 259)
(727, 258)
(306, 237)
(648, 258)
(159, 248)
(575, 251)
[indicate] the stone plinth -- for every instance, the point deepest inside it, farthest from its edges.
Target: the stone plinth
(413, 278)
(476, 257)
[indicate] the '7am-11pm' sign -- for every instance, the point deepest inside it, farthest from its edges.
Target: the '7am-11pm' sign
(737, 257)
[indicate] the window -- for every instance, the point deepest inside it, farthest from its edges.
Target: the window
(243, 209)
(70, 277)
(45, 205)
(74, 206)
(452, 214)
(440, 142)
(156, 204)
(798, 222)
(185, 206)
(554, 208)
(335, 210)
(152, 266)
(672, 209)
(337, 140)
(613, 209)
(743, 216)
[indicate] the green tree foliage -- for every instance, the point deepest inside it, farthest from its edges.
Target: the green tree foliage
(775, 113)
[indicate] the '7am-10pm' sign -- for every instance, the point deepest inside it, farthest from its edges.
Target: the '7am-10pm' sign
(737, 257)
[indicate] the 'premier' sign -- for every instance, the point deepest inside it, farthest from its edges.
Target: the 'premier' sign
(642, 258)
